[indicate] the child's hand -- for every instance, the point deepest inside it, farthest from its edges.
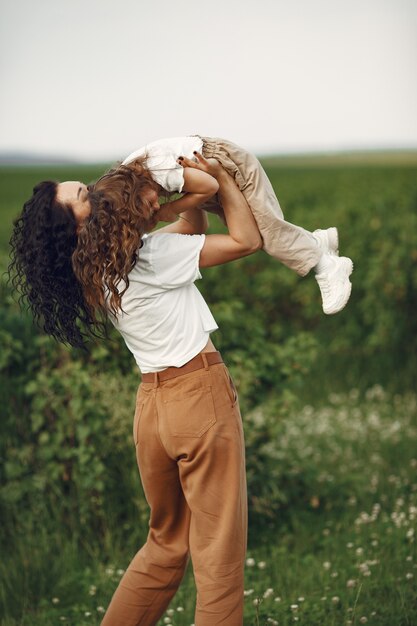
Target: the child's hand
(211, 166)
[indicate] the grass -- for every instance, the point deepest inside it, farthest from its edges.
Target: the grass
(348, 556)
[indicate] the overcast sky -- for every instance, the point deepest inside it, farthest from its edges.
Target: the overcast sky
(96, 79)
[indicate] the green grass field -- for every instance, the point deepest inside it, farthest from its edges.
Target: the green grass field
(346, 556)
(329, 412)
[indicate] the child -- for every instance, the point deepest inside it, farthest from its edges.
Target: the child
(297, 248)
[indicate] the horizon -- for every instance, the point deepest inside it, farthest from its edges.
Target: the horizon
(29, 157)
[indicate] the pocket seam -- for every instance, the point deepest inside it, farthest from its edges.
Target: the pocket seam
(200, 432)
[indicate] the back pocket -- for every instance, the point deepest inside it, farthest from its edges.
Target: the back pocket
(189, 408)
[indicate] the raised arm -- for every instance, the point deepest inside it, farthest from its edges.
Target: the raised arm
(244, 237)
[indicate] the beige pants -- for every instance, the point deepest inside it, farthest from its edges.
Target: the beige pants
(191, 455)
(292, 245)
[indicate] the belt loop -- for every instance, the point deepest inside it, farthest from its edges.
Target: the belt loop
(155, 380)
(206, 365)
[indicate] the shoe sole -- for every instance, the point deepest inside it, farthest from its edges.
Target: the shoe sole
(347, 264)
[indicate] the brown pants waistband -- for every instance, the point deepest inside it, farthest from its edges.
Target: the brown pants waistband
(195, 363)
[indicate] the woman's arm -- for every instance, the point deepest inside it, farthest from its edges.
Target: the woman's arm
(244, 237)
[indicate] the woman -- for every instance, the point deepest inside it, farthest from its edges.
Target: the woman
(187, 426)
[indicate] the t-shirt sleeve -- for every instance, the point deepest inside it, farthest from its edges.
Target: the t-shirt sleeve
(175, 258)
(167, 172)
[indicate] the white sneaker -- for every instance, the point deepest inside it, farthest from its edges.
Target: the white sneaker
(334, 282)
(328, 240)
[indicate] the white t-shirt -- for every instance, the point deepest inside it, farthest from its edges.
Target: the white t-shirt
(162, 158)
(166, 320)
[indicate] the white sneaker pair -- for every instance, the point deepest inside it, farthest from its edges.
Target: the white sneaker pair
(332, 272)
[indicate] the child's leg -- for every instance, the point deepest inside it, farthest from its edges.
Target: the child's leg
(294, 246)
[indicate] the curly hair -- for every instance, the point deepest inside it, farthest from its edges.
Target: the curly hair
(108, 242)
(62, 270)
(42, 243)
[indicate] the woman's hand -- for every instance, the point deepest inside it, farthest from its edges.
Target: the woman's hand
(211, 166)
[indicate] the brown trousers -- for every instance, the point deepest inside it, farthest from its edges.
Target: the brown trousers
(191, 456)
(292, 245)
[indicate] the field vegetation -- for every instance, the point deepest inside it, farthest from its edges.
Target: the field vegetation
(329, 412)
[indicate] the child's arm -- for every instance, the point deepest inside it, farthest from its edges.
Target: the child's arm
(198, 186)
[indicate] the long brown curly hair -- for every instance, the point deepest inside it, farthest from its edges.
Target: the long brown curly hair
(109, 240)
(64, 271)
